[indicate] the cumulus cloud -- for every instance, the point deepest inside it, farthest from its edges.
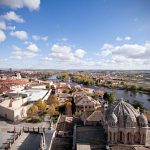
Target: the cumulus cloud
(65, 54)
(106, 50)
(61, 53)
(37, 37)
(128, 50)
(127, 55)
(30, 51)
(16, 4)
(80, 53)
(2, 36)
(12, 16)
(22, 35)
(33, 48)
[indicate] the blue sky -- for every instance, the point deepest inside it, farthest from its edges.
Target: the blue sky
(75, 34)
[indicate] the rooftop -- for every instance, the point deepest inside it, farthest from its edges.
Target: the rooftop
(32, 94)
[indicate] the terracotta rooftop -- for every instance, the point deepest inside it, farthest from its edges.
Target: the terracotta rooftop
(13, 82)
(4, 89)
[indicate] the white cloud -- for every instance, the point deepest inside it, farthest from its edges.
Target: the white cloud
(33, 48)
(30, 52)
(80, 53)
(61, 53)
(37, 37)
(15, 4)
(2, 36)
(12, 16)
(106, 50)
(127, 56)
(65, 54)
(129, 50)
(118, 38)
(127, 38)
(2, 25)
(22, 35)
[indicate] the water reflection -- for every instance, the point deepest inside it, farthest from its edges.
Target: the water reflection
(128, 95)
(131, 96)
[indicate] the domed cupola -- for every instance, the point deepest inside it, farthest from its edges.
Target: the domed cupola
(143, 120)
(125, 114)
(112, 120)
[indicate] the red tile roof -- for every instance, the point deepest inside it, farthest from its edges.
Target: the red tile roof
(4, 89)
(13, 82)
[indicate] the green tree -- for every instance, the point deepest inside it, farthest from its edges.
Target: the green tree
(62, 109)
(63, 76)
(133, 87)
(137, 104)
(109, 97)
(106, 96)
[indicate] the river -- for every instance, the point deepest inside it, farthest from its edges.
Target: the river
(127, 95)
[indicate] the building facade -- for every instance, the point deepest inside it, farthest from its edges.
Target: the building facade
(125, 125)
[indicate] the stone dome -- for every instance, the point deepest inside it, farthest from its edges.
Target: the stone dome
(125, 113)
(143, 122)
(112, 119)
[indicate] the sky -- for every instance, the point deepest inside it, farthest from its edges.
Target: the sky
(75, 34)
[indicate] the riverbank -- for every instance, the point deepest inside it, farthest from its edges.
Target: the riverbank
(122, 88)
(127, 95)
(140, 96)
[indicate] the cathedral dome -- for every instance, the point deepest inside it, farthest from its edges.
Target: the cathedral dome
(112, 119)
(126, 114)
(143, 120)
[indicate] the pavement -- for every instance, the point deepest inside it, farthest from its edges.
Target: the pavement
(6, 126)
(19, 141)
(92, 135)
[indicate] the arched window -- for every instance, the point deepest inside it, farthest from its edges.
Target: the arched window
(110, 136)
(137, 138)
(114, 137)
(121, 136)
(143, 139)
(129, 138)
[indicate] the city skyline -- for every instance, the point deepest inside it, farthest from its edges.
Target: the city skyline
(75, 34)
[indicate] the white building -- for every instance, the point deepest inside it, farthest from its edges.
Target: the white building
(31, 95)
(16, 105)
(14, 109)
